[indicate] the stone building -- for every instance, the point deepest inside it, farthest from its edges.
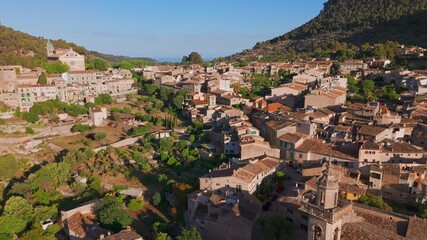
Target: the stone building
(72, 59)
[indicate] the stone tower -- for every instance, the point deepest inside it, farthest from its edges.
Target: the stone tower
(327, 190)
(49, 47)
(326, 214)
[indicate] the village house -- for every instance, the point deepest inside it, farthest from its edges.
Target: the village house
(352, 65)
(386, 151)
(246, 178)
(72, 59)
(314, 151)
(98, 116)
(320, 98)
(404, 183)
(81, 223)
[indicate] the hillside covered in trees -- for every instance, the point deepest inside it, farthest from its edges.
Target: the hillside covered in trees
(350, 22)
(18, 48)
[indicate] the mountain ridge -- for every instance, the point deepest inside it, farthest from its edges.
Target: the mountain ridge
(19, 48)
(352, 22)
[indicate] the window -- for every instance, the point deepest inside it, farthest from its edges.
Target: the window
(304, 217)
(218, 184)
(290, 211)
(304, 227)
(300, 155)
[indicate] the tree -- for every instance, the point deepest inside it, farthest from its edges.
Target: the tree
(17, 213)
(276, 226)
(368, 88)
(30, 117)
(151, 89)
(11, 224)
(103, 99)
(136, 204)
(99, 136)
(42, 213)
(111, 214)
(42, 79)
(97, 64)
(55, 67)
(193, 58)
(335, 69)
(157, 199)
(189, 234)
(162, 236)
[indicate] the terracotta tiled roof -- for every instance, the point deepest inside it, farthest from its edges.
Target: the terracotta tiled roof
(292, 137)
(272, 107)
(124, 235)
(311, 145)
(371, 130)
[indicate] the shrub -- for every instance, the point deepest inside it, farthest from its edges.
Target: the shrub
(29, 130)
(99, 136)
(136, 204)
(280, 176)
(30, 117)
(374, 201)
(80, 128)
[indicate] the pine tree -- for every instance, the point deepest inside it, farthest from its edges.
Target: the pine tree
(42, 79)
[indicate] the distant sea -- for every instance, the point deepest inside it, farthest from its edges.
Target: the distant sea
(177, 59)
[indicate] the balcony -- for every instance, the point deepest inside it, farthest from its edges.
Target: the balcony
(330, 215)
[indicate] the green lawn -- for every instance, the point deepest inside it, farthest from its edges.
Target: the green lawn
(8, 167)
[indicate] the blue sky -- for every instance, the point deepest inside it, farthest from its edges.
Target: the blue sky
(159, 28)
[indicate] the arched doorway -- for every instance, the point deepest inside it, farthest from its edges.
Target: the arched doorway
(336, 234)
(317, 232)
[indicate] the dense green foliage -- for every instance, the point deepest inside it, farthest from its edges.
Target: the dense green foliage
(103, 99)
(193, 58)
(16, 215)
(97, 64)
(30, 117)
(42, 79)
(132, 63)
(52, 106)
(80, 128)
(189, 234)
(136, 204)
(343, 24)
(370, 90)
(374, 201)
(111, 214)
(55, 67)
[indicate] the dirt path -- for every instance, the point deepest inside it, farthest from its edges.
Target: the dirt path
(156, 211)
